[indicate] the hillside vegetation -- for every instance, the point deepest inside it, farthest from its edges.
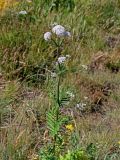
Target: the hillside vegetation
(60, 80)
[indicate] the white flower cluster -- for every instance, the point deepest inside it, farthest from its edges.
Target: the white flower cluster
(59, 30)
(47, 36)
(62, 59)
(23, 12)
(81, 106)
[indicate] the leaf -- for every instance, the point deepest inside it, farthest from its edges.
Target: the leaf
(52, 122)
(64, 101)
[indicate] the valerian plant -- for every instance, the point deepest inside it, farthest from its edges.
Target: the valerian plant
(55, 120)
(60, 132)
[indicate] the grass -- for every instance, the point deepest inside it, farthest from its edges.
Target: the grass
(26, 89)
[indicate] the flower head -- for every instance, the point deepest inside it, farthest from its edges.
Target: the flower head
(119, 142)
(69, 127)
(61, 59)
(23, 12)
(59, 30)
(47, 36)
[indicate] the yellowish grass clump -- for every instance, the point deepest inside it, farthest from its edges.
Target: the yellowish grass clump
(6, 3)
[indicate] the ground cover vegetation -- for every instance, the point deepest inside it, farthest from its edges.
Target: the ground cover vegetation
(60, 80)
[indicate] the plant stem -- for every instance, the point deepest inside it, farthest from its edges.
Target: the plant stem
(57, 109)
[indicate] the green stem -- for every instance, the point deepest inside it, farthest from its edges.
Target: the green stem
(58, 92)
(57, 109)
(56, 44)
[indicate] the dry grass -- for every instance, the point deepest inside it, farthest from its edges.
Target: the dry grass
(23, 104)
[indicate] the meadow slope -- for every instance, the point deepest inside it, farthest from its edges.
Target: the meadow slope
(67, 110)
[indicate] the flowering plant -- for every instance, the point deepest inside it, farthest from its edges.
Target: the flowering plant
(56, 37)
(55, 119)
